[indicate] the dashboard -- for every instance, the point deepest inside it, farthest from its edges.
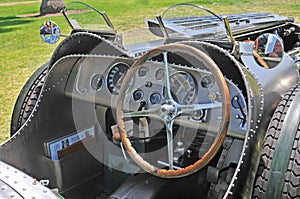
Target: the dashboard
(98, 79)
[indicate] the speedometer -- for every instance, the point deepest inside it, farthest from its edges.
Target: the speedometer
(115, 77)
(182, 87)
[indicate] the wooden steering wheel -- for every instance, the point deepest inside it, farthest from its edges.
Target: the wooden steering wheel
(169, 110)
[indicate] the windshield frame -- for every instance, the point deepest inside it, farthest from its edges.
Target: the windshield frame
(101, 13)
(192, 5)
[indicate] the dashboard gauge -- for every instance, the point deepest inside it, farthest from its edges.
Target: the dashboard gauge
(143, 71)
(207, 81)
(155, 98)
(182, 87)
(159, 74)
(115, 77)
(137, 95)
(96, 82)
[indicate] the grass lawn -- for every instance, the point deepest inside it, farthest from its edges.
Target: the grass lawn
(22, 51)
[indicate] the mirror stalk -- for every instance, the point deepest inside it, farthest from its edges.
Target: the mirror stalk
(162, 26)
(235, 50)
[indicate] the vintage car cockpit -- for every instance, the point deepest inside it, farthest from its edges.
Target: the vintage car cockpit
(184, 115)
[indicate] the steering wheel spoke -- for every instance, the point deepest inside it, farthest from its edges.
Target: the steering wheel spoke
(169, 126)
(154, 112)
(168, 95)
(197, 107)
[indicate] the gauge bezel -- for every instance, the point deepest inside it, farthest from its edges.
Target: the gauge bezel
(101, 79)
(108, 74)
(157, 94)
(190, 99)
(210, 84)
(141, 97)
(140, 69)
(156, 72)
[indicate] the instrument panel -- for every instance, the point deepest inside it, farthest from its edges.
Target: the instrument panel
(99, 79)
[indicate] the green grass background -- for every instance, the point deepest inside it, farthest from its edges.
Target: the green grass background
(22, 51)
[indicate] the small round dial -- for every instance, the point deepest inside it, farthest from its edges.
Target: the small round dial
(115, 77)
(159, 74)
(143, 71)
(96, 82)
(138, 95)
(155, 98)
(207, 81)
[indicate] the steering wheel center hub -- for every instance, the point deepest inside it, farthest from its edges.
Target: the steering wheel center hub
(168, 110)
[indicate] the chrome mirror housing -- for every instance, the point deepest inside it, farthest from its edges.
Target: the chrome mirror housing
(270, 48)
(50, 32)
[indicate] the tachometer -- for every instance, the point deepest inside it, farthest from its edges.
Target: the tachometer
(116, 76)
(182, 87)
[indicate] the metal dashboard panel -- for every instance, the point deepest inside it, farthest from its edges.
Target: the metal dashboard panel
(79, 83)
(16, 184)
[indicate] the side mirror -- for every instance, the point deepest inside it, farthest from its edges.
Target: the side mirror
(49, 32)
(270, 48)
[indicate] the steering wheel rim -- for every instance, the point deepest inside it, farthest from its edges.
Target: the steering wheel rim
(169, 119)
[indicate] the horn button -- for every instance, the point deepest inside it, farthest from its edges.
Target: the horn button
(169, 110)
